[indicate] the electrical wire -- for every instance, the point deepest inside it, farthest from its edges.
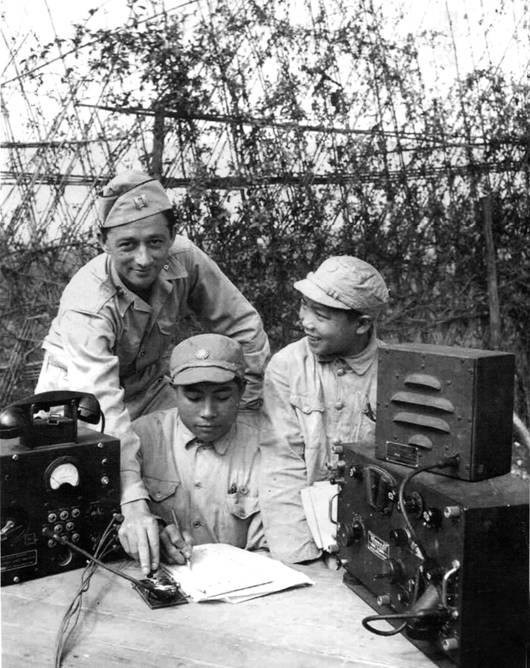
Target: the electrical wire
(444, 463)
(71, 616)
(366, 622)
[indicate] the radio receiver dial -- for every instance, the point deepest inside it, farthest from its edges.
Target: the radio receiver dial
(62, 471)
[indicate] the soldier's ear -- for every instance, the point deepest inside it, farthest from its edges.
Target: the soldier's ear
(102, 240)
(364, 324)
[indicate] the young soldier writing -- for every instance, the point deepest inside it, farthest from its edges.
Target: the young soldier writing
(199, 460)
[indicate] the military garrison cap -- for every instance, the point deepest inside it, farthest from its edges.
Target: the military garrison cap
(131, 196)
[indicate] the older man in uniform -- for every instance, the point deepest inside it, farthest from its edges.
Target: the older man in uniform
(118, 317)
(318, 392)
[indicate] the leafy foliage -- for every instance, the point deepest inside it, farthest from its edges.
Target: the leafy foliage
(336, 142)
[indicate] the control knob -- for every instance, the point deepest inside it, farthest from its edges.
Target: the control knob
(350, 533)
(392, 569)
(399, 537)
(432, 518)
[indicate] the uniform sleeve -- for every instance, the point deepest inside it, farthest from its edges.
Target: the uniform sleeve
(283, 472)
(222, 307)
(88, 341)
(256, 535)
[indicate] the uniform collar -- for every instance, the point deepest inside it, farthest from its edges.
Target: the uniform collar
(125, 296)
(163, 285)
(220, 446)
(360, 363)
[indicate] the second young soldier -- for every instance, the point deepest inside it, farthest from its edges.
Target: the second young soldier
(319, 392)
(119, 315)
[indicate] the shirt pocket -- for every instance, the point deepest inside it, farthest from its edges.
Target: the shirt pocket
(161, 495)
(242, 506)
(168, 332)
(127, 348)
(310, 411)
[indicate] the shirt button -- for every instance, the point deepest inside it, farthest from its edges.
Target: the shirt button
(305, 409)
(335, 441)
(197, 523)
(340, 372)
(158, 495)
(243, 490)
(198, 483)
(166, 267)
(339, 405)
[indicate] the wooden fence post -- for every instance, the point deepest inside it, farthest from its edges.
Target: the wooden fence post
(491, 269)
(158, 143)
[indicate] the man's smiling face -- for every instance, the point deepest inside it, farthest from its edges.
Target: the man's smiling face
(139, 250)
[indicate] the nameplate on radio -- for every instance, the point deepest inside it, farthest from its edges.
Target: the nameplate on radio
(401, 453)
(379, 547)
(12, 562)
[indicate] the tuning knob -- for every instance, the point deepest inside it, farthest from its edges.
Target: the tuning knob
(450, 644)
(414, 504)
(384, 599)
(356, 472)
(393, 571)
(336, 472)
(399, 537)
(432, 518)
(452, 512)
(350, 533)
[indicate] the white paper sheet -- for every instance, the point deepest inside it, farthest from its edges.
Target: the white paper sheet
(224, 572)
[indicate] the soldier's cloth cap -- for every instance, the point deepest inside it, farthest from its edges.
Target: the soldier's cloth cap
(347, 283)
(210, 358)
(131, 196)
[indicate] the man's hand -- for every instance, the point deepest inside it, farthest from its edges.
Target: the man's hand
(175, 544)
(139, 534)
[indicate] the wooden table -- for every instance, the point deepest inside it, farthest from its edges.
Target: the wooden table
(311, 627)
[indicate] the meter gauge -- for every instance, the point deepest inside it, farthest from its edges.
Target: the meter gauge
(62, 471)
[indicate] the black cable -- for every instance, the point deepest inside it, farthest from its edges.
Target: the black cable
(397, 615)
(444, 463)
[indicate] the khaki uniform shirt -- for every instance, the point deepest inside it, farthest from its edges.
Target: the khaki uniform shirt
(212, 487)
(309, 405)
(106, 340)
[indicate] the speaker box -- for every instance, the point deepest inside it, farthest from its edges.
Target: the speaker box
(436, 401)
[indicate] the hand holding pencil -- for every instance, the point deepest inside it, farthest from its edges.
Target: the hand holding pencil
(176, 545)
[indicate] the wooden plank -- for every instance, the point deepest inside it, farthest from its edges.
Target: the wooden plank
(312, 627)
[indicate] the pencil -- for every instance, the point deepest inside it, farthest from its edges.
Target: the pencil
(176, 523)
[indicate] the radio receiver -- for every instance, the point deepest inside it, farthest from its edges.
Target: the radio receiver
(56, 479)
(446, 559)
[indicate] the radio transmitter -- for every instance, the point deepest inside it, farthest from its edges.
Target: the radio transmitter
(436, 401)
(55, 480)
(444, 558)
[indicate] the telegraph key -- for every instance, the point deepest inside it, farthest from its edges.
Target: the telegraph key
(56, 479)
(446, 559)
(437, 401)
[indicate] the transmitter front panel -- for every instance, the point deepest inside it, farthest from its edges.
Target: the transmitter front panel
(71, 489)
(460, 551)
